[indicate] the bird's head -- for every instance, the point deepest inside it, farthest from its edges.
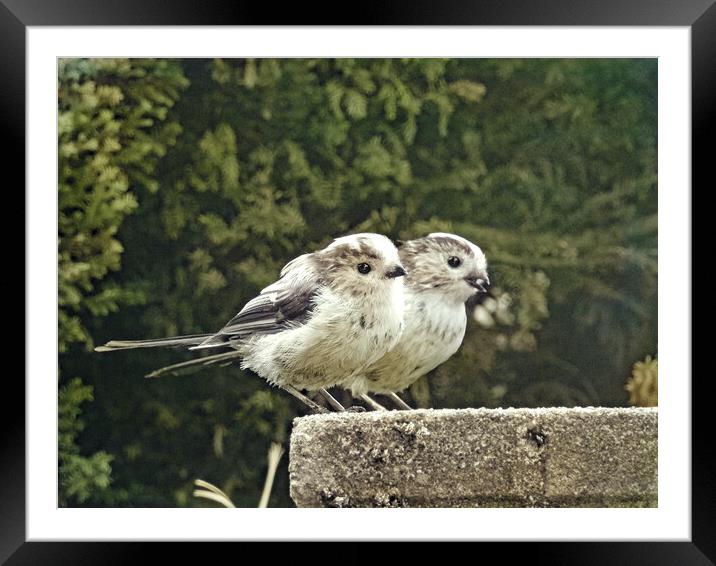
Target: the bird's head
(445, 263)
(361, 263)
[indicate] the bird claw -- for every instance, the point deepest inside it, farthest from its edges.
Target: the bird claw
(356, 409)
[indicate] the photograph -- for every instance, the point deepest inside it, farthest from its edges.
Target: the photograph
(426, 277)
(357, 282)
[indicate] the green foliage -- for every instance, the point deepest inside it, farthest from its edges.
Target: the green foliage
(79, 476)
(643, 385)
(548, 165)
(109, 139)
(112, 130)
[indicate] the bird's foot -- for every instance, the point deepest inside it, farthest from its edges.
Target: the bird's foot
(356, 409)
(332, 401)
(399, 402)
(310, 403)
(372, 403)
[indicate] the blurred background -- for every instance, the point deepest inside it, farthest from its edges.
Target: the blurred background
(185, 185)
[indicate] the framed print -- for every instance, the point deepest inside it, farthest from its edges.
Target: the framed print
(542, 155)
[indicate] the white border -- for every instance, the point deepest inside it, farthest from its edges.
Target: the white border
(671, 521)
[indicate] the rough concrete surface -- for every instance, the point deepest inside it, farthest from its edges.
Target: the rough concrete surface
(556, 457)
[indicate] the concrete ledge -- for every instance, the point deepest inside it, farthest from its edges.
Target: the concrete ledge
(557, 457)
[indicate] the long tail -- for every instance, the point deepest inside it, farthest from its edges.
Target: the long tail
(192, 366)
(173, 342)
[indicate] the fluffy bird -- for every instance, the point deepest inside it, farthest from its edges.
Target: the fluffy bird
(444, 271)
(330, 315)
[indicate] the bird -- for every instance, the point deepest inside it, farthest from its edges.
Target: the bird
(444, 272)
(330, 314)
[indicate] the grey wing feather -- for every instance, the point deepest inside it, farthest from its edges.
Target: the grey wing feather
(288, 302)
(172, 342)
(191, 366)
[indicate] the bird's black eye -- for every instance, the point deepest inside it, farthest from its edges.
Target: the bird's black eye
(454, 261)
(363, 268)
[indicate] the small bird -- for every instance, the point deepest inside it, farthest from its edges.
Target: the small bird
(444, 271)
(331, 314)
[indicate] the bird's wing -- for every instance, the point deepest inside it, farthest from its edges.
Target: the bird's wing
(287, 302)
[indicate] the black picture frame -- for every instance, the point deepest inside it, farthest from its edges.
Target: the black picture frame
(699, 15)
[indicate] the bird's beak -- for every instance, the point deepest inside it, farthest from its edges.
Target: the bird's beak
(396, 271)
(480, 282)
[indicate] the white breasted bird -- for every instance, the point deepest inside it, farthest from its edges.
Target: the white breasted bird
(330, 315)
(444, 271)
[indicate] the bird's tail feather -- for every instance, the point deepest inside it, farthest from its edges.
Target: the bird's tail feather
(173, 342)
(192, 366)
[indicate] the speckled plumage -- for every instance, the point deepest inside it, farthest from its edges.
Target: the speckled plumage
(350, 328)
(322, 322)
(435, 319)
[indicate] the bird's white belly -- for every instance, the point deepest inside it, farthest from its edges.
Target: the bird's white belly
(339, 341)
(430, 337)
